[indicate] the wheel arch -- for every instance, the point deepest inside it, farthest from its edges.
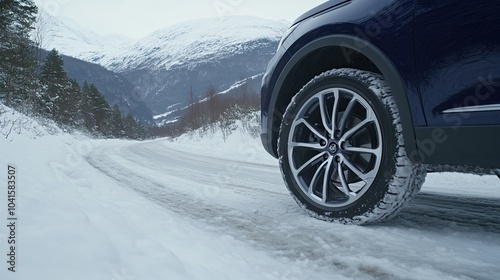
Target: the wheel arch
(340, 51)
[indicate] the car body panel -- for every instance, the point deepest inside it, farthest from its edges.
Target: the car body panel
(441, 59)
(363, 24)
(325, 7)
(463, 68)
(472, 149)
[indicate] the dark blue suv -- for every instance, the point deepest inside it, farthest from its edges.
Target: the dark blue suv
(363, 98)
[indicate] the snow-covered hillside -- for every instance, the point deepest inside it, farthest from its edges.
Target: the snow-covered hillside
(71, 39)
(188, 42)
(165, 65)
(192, 43)
(207, 209)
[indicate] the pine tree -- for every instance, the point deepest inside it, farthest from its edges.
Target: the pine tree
(129, 126)
(56, 86)
(18, 82)
(102, 111)
(117, 123)
(86, 108)
(17, 16)
(95, 110)
(133, 129)
(70, 113)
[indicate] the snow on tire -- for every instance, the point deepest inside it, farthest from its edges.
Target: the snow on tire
(342, 151)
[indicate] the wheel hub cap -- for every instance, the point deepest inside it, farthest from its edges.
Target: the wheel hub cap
(333, 148)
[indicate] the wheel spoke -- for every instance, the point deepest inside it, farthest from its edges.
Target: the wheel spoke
(309, 162)
(377, 152)
(356, 170)
(346, 114)
(336, 95)
(315, 177)
(314, 146)
(311, 128)
(355, 129)
(324, 115)
(326, 179)
(343, 181)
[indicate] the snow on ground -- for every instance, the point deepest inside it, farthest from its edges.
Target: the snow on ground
(197, 208)
(76, 223)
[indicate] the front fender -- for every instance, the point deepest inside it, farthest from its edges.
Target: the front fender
(381, 61)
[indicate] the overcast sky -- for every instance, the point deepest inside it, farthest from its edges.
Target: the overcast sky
(138, 18)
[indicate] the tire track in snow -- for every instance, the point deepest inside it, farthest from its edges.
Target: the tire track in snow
(277, 225)
(435, 211)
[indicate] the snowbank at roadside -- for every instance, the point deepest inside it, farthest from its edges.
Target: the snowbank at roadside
(239, 145)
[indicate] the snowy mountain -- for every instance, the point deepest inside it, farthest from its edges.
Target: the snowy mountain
(191, 43)
(70, 38)
(185, 43)
(196, 54)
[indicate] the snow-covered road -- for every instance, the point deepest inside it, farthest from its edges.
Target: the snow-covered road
(208, 209)
(451, 230)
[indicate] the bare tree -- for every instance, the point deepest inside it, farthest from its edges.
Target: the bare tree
(43, 34)
(213, 108)
(192, 115)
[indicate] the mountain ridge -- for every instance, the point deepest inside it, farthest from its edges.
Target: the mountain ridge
(187, 41)
(197, 54)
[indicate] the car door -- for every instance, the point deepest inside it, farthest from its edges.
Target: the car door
(457, 51)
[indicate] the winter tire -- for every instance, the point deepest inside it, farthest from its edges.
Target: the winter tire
(342, 151)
